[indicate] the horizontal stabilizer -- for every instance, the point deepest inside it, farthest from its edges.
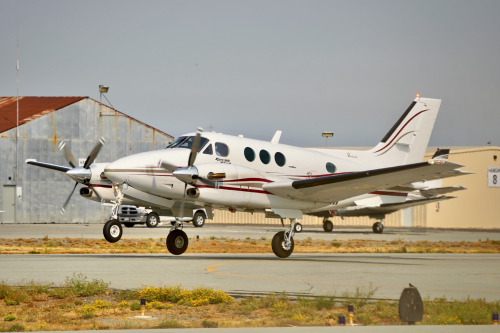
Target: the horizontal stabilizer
(440, 191)
(387, 208)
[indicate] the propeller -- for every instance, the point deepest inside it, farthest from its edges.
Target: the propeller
(189, 173)
(79, 174)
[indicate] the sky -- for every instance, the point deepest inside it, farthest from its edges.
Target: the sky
(253, 67)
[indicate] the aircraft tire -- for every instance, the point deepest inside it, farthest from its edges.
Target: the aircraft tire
(177, 242)
(199, 219)
(298, 227)
(112, 231)
(278, 245)
(152, 220)
(378, 227)
(327, 226)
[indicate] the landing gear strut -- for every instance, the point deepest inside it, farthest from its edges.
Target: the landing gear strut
(282, 242)
(112, 229)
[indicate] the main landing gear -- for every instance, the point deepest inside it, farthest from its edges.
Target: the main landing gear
(177, 240)
(327, 225)
(282, 242)
(378, 227)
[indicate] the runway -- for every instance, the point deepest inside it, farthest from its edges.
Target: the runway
(456, 276)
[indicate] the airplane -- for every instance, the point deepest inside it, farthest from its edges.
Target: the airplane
(242, 174)
(377, 207)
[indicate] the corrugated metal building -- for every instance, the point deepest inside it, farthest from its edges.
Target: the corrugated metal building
(34, 195)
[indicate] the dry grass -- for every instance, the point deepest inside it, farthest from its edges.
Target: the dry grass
(43, 308)
(224, 245)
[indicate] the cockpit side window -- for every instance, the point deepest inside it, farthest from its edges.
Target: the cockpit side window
(187, 142)
(177, 141)
(208, 150)
(221, 149)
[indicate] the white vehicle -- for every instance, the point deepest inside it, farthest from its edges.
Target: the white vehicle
(132, 215)
(236, 173)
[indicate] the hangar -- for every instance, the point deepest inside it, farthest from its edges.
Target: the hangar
(34, 195)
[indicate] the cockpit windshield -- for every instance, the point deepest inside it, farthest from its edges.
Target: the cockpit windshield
(187, 142)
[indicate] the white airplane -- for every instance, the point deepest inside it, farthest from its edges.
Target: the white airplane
(236, 173)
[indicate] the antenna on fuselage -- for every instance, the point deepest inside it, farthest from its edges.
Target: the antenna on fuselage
(276, 137)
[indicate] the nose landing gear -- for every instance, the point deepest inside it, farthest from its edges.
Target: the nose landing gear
(112, 229)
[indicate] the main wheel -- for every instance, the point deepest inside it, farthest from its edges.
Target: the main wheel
(177, 242)
(112, 231)
(199, 219)
(152, 220)
(327, 226)
(297, 227)
(281, 249)
(378, 227)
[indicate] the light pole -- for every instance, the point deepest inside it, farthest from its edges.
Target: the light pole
(326, 135)
(102, 90)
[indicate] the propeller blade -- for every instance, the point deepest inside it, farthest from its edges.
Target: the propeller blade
(63, 208)
(195, 148)
(67, 153)
(93, 154)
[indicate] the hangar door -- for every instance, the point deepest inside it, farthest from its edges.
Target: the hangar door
(9, 204)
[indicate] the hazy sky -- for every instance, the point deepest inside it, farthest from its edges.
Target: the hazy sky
(252, 67)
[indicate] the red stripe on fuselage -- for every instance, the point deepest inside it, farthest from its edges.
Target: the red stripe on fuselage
(401, 130)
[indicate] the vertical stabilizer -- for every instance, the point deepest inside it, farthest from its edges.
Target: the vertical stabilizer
(406, 142)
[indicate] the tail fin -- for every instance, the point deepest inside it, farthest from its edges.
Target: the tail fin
(406, 142)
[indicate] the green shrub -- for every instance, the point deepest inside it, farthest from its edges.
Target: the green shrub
(79, 285)
(17, 328)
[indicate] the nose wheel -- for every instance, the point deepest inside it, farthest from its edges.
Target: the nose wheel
(112, 231)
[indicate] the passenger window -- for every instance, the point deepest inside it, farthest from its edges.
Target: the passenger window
(330, 167)
(264, 156)
(280, 159)
(208, 150)
(221, 149)
(249, 154)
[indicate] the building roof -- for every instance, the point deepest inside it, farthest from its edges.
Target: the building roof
(30, 108)
(33, 107)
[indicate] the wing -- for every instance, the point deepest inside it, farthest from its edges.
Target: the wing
(339, 187)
